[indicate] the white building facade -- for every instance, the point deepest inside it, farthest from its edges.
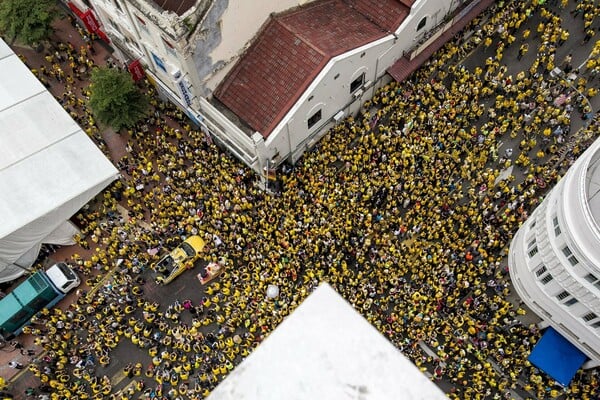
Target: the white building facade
(188, 47)
(554, 259)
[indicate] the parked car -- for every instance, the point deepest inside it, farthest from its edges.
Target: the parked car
(42, 289)
(178, 260)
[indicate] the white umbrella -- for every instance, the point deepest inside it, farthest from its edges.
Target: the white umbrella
(272, 291)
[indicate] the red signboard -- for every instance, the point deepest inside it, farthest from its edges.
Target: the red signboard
(136, 70)
(90, 21)
(75, 9)
(103, 36)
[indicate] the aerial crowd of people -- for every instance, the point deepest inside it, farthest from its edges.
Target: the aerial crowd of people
(406, 210)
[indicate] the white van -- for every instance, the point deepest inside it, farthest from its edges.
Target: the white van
(63, 277)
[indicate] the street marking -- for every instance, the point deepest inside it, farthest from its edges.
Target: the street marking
(117, 378)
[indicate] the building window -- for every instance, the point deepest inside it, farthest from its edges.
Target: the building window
(589, 317)
(115, 27)
(357, 83)
(571, 301)
(532, 225)
(316, 117)
(132, 43)
(596, 324)
(422, 24)
(336, 76)
(546, 279)
(118, 5)
(311, 97)
(556, 226)
(532, 252)
(541, 270)
(593, 279)
(562, 295)
(570, 257)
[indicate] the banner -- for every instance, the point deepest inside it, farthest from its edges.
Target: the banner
(270, 173)
(136, 70)
(184, 92)
(90, 21)
(75, 9)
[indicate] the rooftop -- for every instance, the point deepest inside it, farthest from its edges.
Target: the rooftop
(291, 50)
(49, 167)
(179, 7)
(326, 350)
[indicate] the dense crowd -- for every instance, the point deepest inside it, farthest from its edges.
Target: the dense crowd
(403, 209)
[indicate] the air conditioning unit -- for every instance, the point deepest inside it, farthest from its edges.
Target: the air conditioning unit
(367, 84)
(339, 116)
(358, 93)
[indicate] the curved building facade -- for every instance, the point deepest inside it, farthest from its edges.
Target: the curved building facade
(554, 258)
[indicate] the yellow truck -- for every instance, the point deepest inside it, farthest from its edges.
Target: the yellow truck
(183, 257)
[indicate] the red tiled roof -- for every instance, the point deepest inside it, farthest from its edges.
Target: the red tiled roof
(179, 7)
(293, 48)
(385, 13)
(407, 3)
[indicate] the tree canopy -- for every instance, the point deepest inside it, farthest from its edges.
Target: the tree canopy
(27, 21)
(115, 100)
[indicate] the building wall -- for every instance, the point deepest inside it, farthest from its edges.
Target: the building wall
(229, 34)
(331, 95)
(141, 31)
(555, 256)
(204, 48)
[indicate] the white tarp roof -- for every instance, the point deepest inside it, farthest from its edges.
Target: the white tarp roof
(49, 167)
(326, 350)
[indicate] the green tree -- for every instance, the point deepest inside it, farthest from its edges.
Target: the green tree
(27, 21)
(115, 100)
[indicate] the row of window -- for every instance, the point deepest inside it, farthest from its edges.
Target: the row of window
(566, 250)
(544, 277)
(568, 300)
(532, 249)
(555, 224)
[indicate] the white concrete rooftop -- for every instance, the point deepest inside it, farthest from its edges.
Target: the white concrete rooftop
(326, 350)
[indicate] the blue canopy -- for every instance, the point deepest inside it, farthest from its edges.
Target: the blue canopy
(557, 357)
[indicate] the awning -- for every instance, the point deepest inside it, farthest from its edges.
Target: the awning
(49, 168)
(557, 357)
